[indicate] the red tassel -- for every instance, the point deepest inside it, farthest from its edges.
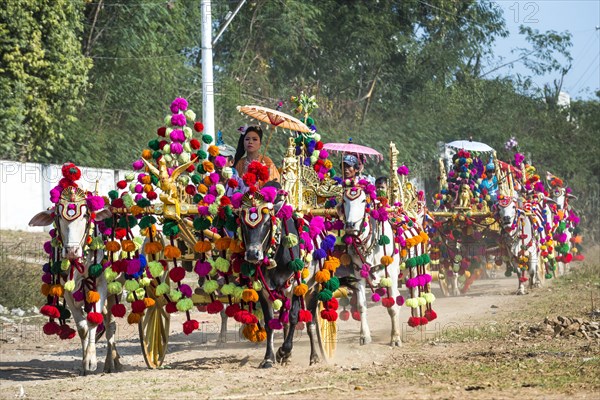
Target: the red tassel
(345, 315)
(430, 315)
(305, 316)
(333, 304)
(424, 321)
(95, 318)
(329, 315)
(190, 326)
(232, 310)
(51, 328)
(356, 315)
(388, 302)
(50, 311)
(171, 307)
(414, 321)
(138, 306)
(118, 310)
(215, 307)
(66, 332)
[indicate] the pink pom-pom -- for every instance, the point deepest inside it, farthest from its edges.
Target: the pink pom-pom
(177, 135)
(236, 200)
(48, 247)
(403, 170)
(139, 188)
(348, 239)
(176, 148)
(220, 161)
(269, 193)
(185, 290)
(202, 268)
(400, 300)
(323, 154)
(338, 225)
(203, 210)
(275, 324)
(55, 194)
(95, 203)
(285, 212)
(209, 199)
(214, 178)
(137, 165)
(375, 297)
(316, 226)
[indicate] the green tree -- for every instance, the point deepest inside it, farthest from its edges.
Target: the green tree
(43, 75)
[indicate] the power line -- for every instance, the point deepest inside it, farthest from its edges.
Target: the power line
(585, 72)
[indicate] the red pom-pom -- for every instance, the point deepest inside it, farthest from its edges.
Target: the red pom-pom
(345, 315)
(329, 315)
(190, 326)
(138, 306)
(388, 302)
(71, 172)
(195, 144)
(239, 315)
(579, 257)
(232, 183)
(249, 178)
(252, 189)
(177, 274)
(305, 316)
(66, 332)
(333, 304)
(215, 307)
(232, 310)
(118, 203)
(50, 311)
(430, 315)
(95, 318)
(64, 182)
(162, 144)
(191, 168)
(319, 145)
(190, 189)
(261, 171)
(424, 321)
(236, 264)
(122, 184)
(162, 131)
(198, 127)
(568, 258)
(414, 321)
(151, 195)
(356, 315)
(120, 233)
(225, 201)
(51, 328)
(118, 310)
(171, 307)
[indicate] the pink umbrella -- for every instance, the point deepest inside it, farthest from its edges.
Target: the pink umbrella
(353, 148)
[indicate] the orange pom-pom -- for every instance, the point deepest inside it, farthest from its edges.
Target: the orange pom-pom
(322, 276)
(208, 166)
(260, 335)
(236, 246)
(128, 246)
(331, 264)
(112, 246)
(202, 246)
(250, 331)
(172, 252)
(92, 296)
(153, 247)
(300, 290)
(249, 295)
(202, 189)
(56, 290)
(403, 253)
(147, 154)
(148, 302)
(135, 210)
(386, 260)
(345, 259)
(146, 179)
(45, 289)
(223, 243)
(424, 236)
(213, 150)
(134, 318)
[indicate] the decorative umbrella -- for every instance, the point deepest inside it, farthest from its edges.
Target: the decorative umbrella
(353, 148)
(470, 146)
(274, 118)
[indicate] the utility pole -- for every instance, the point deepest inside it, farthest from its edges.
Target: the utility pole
(208, 101)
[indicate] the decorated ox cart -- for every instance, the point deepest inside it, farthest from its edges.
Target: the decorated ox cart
(464, 232)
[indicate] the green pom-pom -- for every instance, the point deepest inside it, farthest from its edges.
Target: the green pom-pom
(143, 202)
(256, 285)
(55, 269)
(411, 262)
(310, 121)
(228, 289)
(197, 198)
(298, 141)
(65, 264)
(200, 169)
(201, 223)
(384, 240)
(296, 265)
(131, 285)
(170, 228)
(115, 288)
(426, 259)
(385, 283)
(222, 264)
(290, 241)
(196, 179)
(175, 295)
(332, 284)
(325, 295)
(147, 221)
(202, 155)
(210, 286)
(429, 297)
(153, 144)
(277, 304)
(561, 227)
(508, 273)
(113, 194)
(231, 224)
(156, 155)
(154, 179)
(95, 270)
(207, 139)
(127, 221)
(163, 288)
(548, 276)
(248, 269)
(69, 285)
(185, 305)
(156, 269)
(110, 275)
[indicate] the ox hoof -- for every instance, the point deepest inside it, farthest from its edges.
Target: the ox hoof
(396, 343)
(282, 356)
(266, 364)
(365, 340)
(315, 360)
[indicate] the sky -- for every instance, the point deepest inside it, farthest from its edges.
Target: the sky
(579, 17)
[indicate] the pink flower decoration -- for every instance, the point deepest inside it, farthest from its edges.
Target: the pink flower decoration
(403, 170)
(178, 120)
(179, 104)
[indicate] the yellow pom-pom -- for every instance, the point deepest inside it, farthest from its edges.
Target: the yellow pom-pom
(386, 260)
(305, 273)
(260, 335)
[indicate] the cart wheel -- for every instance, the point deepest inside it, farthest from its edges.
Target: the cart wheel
(154, 329)
(327, 335)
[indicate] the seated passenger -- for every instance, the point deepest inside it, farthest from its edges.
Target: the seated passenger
(249, 144)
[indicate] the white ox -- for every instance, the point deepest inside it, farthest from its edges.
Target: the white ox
(362, 227)
(73, 220)
(520, 239)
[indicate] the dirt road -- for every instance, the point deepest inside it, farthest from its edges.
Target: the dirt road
(36, 366)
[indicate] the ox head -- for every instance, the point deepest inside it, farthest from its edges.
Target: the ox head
(72, 218)
(353, 209)
(507, 210)
(258, 226)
